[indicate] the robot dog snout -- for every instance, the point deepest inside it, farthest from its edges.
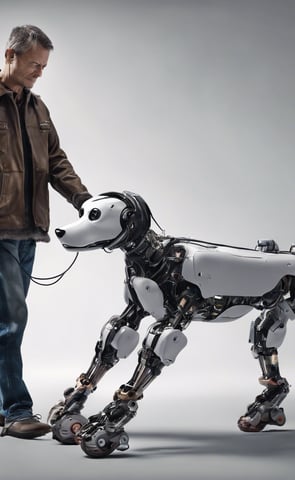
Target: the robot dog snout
(59, 232)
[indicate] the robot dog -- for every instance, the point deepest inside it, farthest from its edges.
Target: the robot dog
(176, 281)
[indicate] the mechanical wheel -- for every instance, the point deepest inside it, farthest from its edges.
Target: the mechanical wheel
(65, 429)
(277, 416)
(246, 426)
(102, 443)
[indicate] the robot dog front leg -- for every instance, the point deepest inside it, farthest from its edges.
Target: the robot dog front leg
(105, 432)
(118, 339)
(267, 334)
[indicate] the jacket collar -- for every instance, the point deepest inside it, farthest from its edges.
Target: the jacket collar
(6, 91)
(3, 89)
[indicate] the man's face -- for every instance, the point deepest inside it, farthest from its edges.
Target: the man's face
(25, 68)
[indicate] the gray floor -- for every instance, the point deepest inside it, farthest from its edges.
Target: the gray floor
(207, 446)
(160, 455)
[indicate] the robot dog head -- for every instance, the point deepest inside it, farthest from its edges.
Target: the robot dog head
(110, 220)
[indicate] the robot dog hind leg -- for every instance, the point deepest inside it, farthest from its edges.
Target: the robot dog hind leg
(267, 334)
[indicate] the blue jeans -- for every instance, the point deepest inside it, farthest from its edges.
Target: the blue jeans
(15, 255)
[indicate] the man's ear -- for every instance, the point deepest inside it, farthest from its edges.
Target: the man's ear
(9, 55)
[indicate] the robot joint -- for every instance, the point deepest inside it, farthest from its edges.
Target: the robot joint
(118, 413)
(125, 392)
(84, 383)
(274, 387)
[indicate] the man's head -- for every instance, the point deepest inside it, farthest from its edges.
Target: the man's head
(25, 37)
(26, 55)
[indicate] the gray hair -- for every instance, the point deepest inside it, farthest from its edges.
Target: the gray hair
(25, 37)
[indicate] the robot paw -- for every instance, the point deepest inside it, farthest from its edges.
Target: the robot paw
(55, 413)
(66, 428)
(257, 421)
(245, 425)
(102, 443)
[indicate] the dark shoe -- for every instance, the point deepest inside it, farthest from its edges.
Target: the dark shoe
(29, 427)
(2, 421)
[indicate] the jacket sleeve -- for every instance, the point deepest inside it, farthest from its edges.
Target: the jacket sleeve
(62, 175)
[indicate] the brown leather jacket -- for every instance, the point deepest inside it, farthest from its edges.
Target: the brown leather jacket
(49, 165)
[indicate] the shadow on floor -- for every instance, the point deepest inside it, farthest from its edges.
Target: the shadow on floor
(270, 443)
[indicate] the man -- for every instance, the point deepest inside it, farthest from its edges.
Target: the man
(30, 158)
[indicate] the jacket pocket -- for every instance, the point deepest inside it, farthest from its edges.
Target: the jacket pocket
(11, 198)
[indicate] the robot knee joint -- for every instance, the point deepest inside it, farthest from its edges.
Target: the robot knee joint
(267, 335)
(169, 344)
(125, 341)
(122, 339)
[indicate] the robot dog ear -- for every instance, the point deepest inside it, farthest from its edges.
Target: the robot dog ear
(137, 210)
(134, 205)
(130, 206)
(135, 218)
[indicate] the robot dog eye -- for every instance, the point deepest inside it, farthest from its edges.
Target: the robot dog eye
(94, 214)
(81, 212)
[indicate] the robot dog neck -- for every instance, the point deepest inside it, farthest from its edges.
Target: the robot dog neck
(149, 256)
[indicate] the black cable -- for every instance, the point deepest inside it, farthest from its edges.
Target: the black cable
(159, 226)
(198, 242)
(34, 279)
(212, 244)
(56, 278)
